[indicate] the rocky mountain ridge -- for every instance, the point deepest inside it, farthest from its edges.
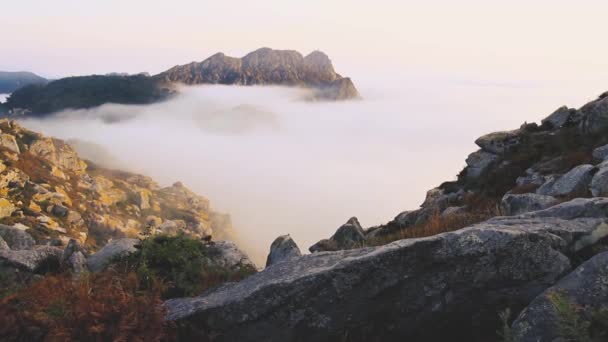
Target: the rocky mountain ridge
(266, 66)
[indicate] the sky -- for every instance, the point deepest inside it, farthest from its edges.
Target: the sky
(434, 75)
(505, 41)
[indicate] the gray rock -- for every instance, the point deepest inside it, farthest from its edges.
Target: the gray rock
(499, 142)
(559, 118)
(599, 182)
(16, 238)
(226, 255)
(531, 178)
(282, 248)
(600, 153)
(414, 289)
(349, 235)
(515, 204)
(547, 187)
(478, 162)
(115, 248)
(30, 259)
(445, 287)
(594, 116)
(574, 182)
(77, 263)
(586, 288)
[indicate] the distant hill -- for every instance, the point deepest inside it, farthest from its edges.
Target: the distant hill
(261, 67)
(86, 92)
(11, 81)
(266, 66)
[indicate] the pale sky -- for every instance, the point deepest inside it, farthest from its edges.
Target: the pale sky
(508, 41)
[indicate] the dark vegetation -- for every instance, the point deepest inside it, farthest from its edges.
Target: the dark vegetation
(122, 303)
(182, 262)
(87, 92)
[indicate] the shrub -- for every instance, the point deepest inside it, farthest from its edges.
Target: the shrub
(181, 262)
(109, 306)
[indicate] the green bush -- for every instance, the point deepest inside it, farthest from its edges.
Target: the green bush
(181, 262)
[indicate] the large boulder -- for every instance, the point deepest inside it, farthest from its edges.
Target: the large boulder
(478, 162)
(585, 290)
(515, 204)
(595, 115)
(282, 248)
(349, 235)
(574, 182)
(31, 260)
(115, 248)
(226, 255)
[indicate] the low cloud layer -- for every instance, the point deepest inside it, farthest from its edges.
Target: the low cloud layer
(280, 165)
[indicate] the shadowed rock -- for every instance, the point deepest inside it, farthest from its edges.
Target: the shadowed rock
(448, 285)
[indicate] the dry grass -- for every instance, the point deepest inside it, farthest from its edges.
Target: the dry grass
(482, 209)
(103, 307)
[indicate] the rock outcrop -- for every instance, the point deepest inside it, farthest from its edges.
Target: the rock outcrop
(50, 192)
(268, 67)
(448, 285)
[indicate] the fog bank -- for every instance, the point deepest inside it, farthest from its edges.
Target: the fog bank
(279, 165)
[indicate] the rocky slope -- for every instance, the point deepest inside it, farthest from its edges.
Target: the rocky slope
(268, 67)
(524, 230)
(53, 195)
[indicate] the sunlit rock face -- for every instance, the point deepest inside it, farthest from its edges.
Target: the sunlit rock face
(266, 66)
(54, 195)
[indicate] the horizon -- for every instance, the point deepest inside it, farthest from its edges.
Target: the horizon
(472, 39)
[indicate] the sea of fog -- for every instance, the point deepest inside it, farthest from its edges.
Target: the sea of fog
(280, 165)
(3, 97)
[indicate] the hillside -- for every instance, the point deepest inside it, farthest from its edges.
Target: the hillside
(11, 81)
(86, 92)
(56, 196)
